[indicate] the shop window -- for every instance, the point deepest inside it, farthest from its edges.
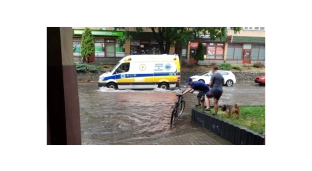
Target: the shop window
(99, 46)
(76, 46)
(234, 51)
(258, 52)
(215, 51)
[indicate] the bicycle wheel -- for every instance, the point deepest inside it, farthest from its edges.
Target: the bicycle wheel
(173, 115)
(181, 107)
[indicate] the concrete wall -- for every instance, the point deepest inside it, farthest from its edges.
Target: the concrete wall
(239, 62)
(240, 76)
(111, 60)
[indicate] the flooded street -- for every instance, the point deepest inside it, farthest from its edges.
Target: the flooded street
(143, 116)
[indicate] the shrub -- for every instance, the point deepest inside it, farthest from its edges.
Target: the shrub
(88, 68)
(237, 67)
(258, 65)
(247, 66)
(225, 66)
(212, 64)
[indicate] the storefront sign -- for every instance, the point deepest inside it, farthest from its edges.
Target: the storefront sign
(100, 33)
(202, 36)
(247, 46)
(144, 42)
(194, 44)
(135, 42)
(219, 50)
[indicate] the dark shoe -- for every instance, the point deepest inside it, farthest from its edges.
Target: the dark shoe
(207, 109)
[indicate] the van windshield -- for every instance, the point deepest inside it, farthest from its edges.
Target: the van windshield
(115, 67)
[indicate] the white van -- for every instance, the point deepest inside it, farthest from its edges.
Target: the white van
(143, 72)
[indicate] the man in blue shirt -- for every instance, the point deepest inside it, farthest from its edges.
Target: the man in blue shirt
(216, 83)
(199, 86)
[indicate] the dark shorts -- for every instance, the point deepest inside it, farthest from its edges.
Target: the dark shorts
(201, 96)
(216, 94)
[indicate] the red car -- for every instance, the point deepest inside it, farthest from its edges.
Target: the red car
(260, 79)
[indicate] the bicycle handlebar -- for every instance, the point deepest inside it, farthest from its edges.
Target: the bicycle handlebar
(182, 92)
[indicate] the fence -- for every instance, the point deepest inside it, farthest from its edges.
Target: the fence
(119, 55)
(232, 60)
(114, 59)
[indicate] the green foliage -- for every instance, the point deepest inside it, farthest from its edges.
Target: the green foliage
(237, 67)
(252, 117)
(199, 52)
(225, 66)
(122, 40)
(258, 65)
(88, 68)
(87, 44)
(182, 35)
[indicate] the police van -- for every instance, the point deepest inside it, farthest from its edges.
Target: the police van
(143, 72)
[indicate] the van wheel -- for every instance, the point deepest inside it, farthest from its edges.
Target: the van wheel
(112, 85)
(201, 80)
(163, 86)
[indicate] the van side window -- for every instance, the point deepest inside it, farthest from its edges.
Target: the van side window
(124, 67)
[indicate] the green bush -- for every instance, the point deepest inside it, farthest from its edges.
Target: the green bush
(88, 68)
(258, 65)
(225, 66)
(237, 67)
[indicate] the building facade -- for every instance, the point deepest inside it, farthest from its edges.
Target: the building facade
(248, 46)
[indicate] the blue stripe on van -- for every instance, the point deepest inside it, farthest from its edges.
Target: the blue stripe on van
(118, 76)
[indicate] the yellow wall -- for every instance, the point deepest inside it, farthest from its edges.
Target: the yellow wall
(127, 47)
(188, 51)
(171, 50)
(251, 33)
(225, 50)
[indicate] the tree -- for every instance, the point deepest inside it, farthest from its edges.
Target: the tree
(199, 53)
(172, 35)
(87, 44)
(122, 40)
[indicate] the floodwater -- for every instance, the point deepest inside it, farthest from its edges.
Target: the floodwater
(143, 116)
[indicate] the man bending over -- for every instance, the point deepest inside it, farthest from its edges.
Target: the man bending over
(199, 86)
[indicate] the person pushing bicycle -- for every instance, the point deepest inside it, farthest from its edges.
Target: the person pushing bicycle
(199, 86)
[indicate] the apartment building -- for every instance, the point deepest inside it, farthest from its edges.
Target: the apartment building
(248, 46)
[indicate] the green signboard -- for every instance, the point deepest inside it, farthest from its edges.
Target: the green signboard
(100, 33)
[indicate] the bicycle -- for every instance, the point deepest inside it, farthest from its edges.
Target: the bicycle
(178, 108)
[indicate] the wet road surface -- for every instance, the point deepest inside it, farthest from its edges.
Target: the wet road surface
(143, 116)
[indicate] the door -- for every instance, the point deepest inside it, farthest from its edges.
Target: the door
(124, 78)
(109, 50)
(192, 55)
(246, 56)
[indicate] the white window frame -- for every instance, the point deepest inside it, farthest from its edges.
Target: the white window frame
(253, 28)
(249, 28)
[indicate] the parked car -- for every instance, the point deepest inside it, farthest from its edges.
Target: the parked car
(229, 77)
(260, 80)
